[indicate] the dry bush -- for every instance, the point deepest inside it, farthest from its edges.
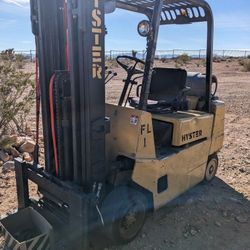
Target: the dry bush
(241, 62)
(18, 60)
(217, 59)
(7, 55)
(246, 64)
(164, 60)
(183, 59)
(17, 94)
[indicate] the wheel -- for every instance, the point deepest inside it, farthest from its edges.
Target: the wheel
(211, 169)
(124, 214)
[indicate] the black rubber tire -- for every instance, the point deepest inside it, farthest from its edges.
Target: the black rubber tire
(212, 167)
(125, 212)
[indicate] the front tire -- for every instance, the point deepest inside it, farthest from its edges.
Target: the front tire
(125, 214)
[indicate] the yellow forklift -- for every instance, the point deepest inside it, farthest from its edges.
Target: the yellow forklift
(107, 166)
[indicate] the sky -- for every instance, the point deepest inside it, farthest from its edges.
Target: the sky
(232, 28)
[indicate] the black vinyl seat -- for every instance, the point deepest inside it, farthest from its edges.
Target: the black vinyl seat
(167, 91)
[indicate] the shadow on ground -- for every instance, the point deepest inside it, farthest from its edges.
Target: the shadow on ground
(209, 216)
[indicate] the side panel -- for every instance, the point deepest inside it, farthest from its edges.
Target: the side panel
(197, 175)
(218, 108)
(189, 126)
(184, 170)
(131, 133)
(145, 148)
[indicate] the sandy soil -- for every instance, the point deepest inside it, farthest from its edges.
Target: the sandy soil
(212, 216)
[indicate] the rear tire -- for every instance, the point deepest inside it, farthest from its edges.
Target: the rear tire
(212, 167)
(125, 214)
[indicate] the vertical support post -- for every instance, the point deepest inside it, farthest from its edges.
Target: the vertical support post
(173, 54)
(152, 39)
(209, 62)
(87, 72)
(21, 184)
(49, 31)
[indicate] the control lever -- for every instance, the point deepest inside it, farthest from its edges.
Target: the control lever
(110, 75)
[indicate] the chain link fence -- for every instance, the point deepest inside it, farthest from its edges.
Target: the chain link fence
(160, 54)
(170, 54)
(29, 54)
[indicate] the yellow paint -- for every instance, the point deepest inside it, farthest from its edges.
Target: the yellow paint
(195, 124)
(185, 164)
(218, 108)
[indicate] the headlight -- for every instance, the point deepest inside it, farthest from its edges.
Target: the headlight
(144, 28)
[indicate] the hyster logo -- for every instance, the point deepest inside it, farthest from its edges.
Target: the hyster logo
(191, 136)
(96, 48)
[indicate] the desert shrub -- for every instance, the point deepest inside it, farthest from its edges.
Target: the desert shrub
(17, 94)
(20, 57)
(164, 60)
(248, 57)
(183, 59)
(7, 55)
(20, 61)
(245, 63)
(217, 59)
(241, 62)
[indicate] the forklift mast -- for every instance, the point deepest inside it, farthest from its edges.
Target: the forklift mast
(70, 44)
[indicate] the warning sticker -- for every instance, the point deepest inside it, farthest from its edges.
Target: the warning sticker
(134, 120)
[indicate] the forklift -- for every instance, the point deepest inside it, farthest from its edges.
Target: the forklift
(107, 166)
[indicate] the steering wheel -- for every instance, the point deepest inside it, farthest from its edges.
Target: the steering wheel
(130, 69)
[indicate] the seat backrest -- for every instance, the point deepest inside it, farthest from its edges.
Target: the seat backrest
(167, 83)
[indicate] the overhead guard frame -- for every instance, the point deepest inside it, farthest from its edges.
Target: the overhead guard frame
(174, 12)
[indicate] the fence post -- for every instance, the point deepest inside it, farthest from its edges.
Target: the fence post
(110, 55)
(31, 57)
(223, 54)
(199, 54)
(173, 54)
(246, 54)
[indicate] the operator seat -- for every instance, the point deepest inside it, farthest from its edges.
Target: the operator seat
(167, 91)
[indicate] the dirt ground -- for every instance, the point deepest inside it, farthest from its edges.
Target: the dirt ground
(210, 216)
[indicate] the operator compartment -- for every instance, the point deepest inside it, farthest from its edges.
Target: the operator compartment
(186, 127)
(175, 100)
